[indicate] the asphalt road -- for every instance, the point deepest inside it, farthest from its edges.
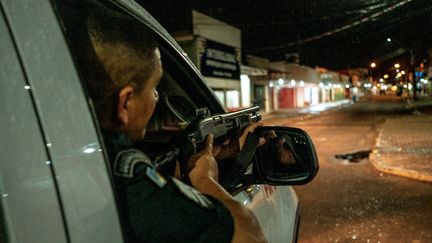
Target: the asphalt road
(353, 202)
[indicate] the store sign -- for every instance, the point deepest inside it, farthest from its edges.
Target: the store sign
(218, 60)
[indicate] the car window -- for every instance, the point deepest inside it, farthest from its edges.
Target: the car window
(180, 96)
(181, 91)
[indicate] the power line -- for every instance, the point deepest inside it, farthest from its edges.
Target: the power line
(337, 30)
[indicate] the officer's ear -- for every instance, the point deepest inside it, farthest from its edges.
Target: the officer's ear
(123, 110)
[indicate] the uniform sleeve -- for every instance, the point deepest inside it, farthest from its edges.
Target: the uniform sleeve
(173, 212)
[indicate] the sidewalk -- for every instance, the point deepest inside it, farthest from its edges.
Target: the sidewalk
(404, 145)
(305, 111)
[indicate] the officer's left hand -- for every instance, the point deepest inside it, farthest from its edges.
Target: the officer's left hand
(231, 147)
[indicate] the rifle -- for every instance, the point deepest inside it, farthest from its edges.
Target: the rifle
(222, 126)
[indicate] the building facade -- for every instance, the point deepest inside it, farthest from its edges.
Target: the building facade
(215, 48)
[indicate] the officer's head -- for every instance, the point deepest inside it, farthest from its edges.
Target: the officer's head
(122, 68)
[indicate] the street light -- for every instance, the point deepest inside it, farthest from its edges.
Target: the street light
(373, 65)
(397, 65)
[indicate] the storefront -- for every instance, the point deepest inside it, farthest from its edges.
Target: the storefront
(293, 86)
(311, 95)
(293, 93)
(332, 85)
(254, 87)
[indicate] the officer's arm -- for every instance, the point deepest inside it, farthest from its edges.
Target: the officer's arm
(203, 177)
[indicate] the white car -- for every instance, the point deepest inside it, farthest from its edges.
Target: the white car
(55, 182)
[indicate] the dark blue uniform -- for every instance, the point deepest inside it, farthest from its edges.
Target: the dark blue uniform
(157, 209)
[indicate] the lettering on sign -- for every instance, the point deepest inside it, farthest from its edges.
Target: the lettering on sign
(218, 60)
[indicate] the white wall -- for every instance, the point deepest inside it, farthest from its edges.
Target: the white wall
(215, 30)
(219, 83)
(300, 97)
(296, 72)
(245, 84)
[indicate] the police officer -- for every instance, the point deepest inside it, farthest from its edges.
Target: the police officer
(121, 65)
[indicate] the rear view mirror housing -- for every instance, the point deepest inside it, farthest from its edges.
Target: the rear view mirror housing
(285, 156)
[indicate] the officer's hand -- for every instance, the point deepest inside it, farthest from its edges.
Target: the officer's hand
(230, 148)
(249, 129)
(203, 165)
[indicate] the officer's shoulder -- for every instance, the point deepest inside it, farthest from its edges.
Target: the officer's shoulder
(128, 160)
(133, 163)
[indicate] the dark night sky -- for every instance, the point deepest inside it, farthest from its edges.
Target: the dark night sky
(336, 34)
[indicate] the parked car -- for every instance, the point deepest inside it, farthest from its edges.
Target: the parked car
(55, 182)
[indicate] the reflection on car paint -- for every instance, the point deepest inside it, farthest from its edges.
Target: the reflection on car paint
(252, 191)
(91, 148)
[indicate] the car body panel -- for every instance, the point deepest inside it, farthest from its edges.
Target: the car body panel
(29, 202)
(69, 131)
(275, 209)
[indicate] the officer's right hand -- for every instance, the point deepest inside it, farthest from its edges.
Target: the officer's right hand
(203, 176)
(202, 165)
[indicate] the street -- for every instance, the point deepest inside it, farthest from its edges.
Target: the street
(353, 201)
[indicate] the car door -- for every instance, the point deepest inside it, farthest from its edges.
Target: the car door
(76, 175)
(30, 210)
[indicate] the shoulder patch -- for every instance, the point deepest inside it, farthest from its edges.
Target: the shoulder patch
(153, 175)
(192, 194)
(126, 161)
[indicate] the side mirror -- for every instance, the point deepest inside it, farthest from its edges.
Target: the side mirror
(286, 156)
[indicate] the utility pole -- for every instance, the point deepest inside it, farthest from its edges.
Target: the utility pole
(412, 62)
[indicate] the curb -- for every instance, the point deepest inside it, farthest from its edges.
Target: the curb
(380, 166)
(411, 174)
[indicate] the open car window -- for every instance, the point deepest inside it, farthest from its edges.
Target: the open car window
(177, 104)
(181, 90)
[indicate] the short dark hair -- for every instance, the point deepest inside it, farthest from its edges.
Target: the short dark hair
(116, 50)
